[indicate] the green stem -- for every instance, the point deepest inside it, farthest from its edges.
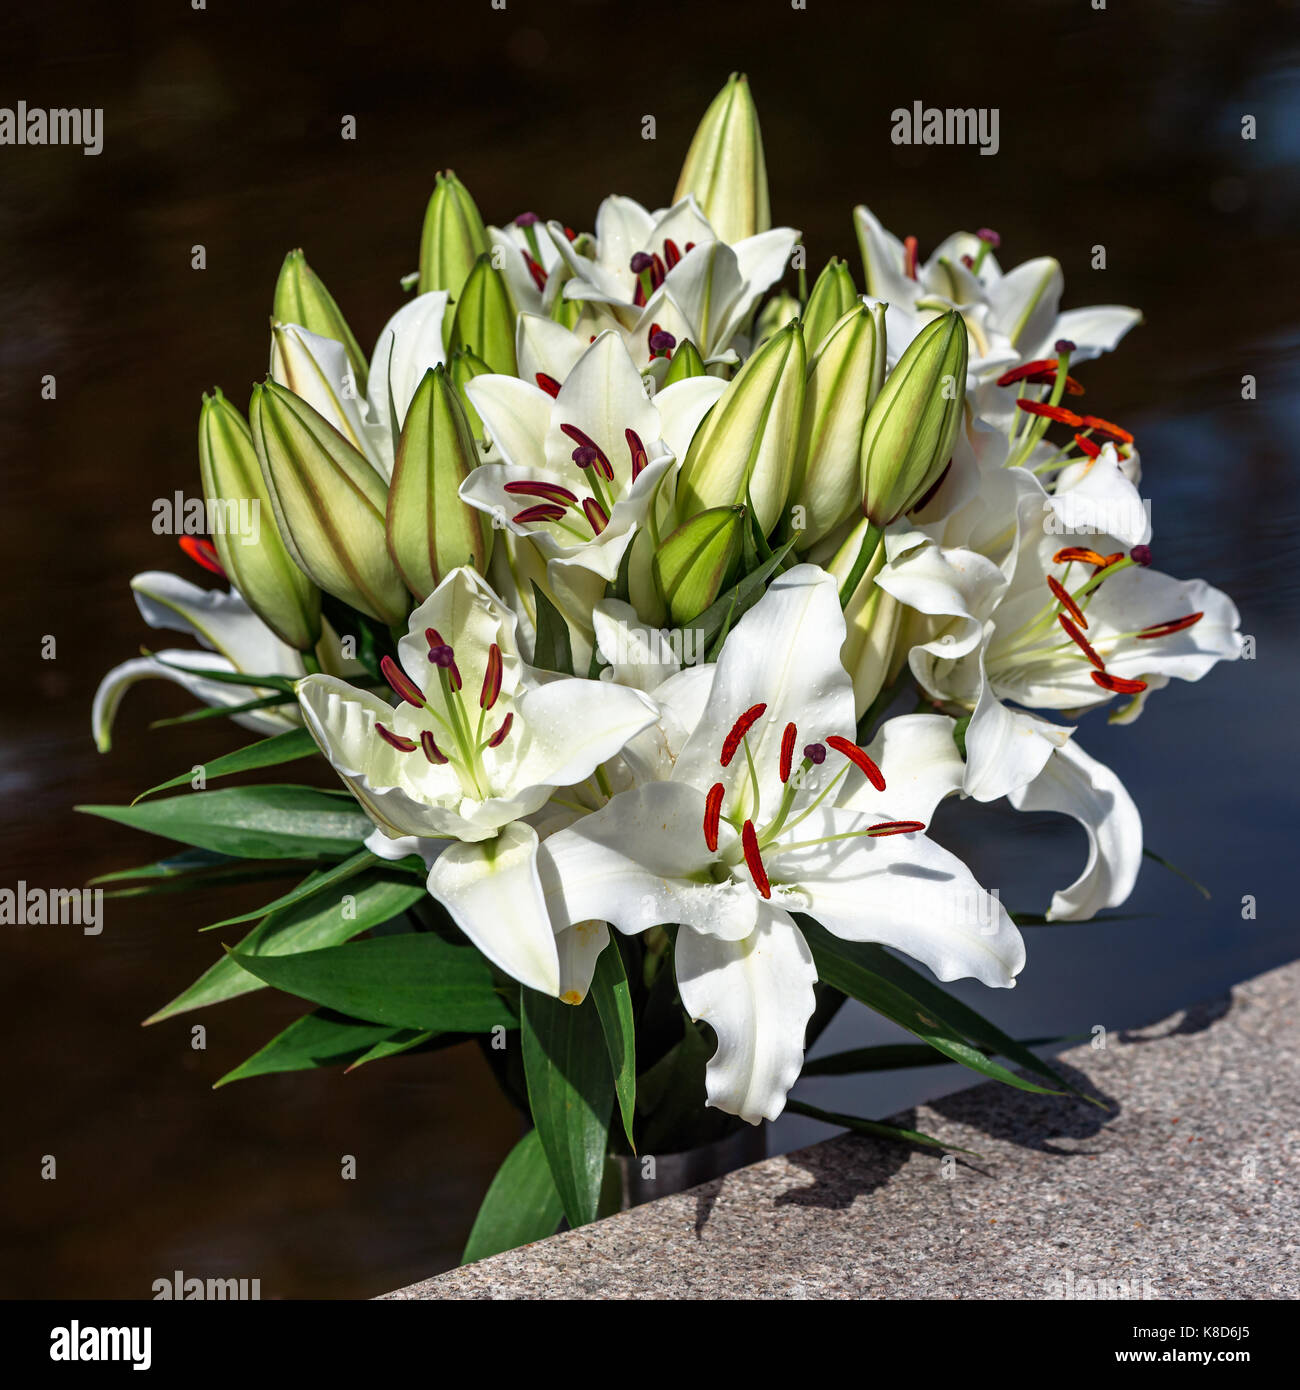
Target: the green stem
(870, 544)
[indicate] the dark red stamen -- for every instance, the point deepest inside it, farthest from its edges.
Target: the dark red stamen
(657, 273)
(639, 456)
(1169, 628)
(552, 492)
(713, 815)
(1105, 430)
(401, 683)
(896, 827)
(431, 750)
(585, 441)
(548, 384)
(1117, 685)
(859, 759)
(671, 254)
(403, 745)
(738, 731)
(491, 678)
(543, 511)
(1051, 412)
(638, 296)
(787, 751)
(1064, 599)
(499, 737)
(538, 274)
(749, 843)
(595, 514)
(1080, 641)
(202, 552)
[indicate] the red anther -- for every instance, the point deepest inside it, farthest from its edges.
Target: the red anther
(552, 492)
(657, 273)
(543, 511)
(499, 737)
(202, 552)
(571, 234)
(896, 827)
(1117, 685)
(787, 751)
(859, 759)
(1113, 434)
(548, 384)
(1169, 628)
(639, 456)
(595, 514)
(1108, 560)
(671, 254)
(1064, 599)
(1079, 553)
(1080, 641)
(401, 683)
(738, 731)
(431, 750)
(909, 257)
(713, 815)
(403, 745)
(585, 441)
(1041, 372)
(638, 295)
(1051, 412)
(690, 246)
(538, 274)
(491, 678)
(749, 843)
(1089, 446)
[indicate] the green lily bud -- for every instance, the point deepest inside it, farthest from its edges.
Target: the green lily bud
(686, 362)
(567, 311)
(776, 313)
(845, 378)
(317, 370)
(692, 564)
(301, 297)
(258, 564)
(453, 237)
(430, 530)
(910, 428)
(330, 504)
(832, 297)
(871, 618)
(724, 166)
(485, 318)
(745, 449)
(464, 367)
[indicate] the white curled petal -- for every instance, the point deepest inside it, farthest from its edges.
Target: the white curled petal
(410, 343)
(220, 620)
(1006, 748)
(757, 996)
(579, 948)
(635, 653)
(572, 726)
(1077, 785)
(494, 895)
(1096, 329)
(919, 759)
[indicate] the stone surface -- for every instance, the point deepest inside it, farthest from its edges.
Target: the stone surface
(1185, 1188)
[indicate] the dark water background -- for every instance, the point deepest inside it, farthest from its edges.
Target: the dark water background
(1120, 127)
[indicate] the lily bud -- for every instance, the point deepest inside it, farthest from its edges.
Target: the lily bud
(485, 318)
(686, 362)
(725, 168)
(776, 313)
(430, 530)
(692, 564)
(871, 619)
(745, 449)
(908, 437)
(453, 237)
(259, 565)
(832, 297)
(330, 503)
(301, 297)
(318, 371)
(845, 378)
(464, 367)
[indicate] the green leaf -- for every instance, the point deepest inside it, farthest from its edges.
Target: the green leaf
(267, 752)
(552, 650)
(739, 597)
(403, 1040)
(274, 822)
(850, 966)
(281, 683)
(306, 926)
(412, 981)
(613, 996)
(672, 1095)
(224, 711)
(571, 1094)
(873, 1128)
(1180, 873)
(183, 863)
(318, 881)
(888, 1057)
(521, 1205)
(319, 1039)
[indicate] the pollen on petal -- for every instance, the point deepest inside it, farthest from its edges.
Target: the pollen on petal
(754, 860)
(787, 751)
(738, 731)
(859, 759)
(713, 815)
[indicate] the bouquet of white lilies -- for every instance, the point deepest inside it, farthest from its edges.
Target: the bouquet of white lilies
(595, 585)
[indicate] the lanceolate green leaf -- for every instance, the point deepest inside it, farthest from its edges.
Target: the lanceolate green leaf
(407, 981)
(613, 996)
(552, 649)
(571, 1094)
(274, 822)
(267, 752)
(224, 711)
(318, 881)
(319, 1039)
(738, 598)
(887, 1057)
(873, 1128)
(521, 1205)
(281, 683)
(403, 1040)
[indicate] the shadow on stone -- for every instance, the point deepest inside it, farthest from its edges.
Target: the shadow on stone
(846, 1167)
(1194, 1020)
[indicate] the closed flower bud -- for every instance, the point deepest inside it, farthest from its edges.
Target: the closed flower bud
(453, 237)
(430, 530)
(832, 297)
(744, 452)
(776, 313)
(256, 560)
(318, 371)
(910, 428)
(301, 298)
(724, 166)
(843, 381)
(464, 367)
(329, 503)
(686, 362)
(871, 620)
(485, 318)
(692, 564)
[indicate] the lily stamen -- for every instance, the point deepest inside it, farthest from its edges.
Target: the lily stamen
(1081, 642)
(401, 683)
(1118, 685)
(738, 731)
(713, 815)
(787, 751)
(491, 679)
(499, 737)
(754, 860)
(859, 759)
(398, 741)
(431, 750)
(548, 384)
(1167, 629)
(1066, 601)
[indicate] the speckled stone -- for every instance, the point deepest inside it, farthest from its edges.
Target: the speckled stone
(1185, 1188)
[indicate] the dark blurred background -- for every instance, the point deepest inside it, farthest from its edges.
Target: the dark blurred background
(222, 128)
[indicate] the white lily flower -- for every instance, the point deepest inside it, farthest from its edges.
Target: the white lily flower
(525, 254)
